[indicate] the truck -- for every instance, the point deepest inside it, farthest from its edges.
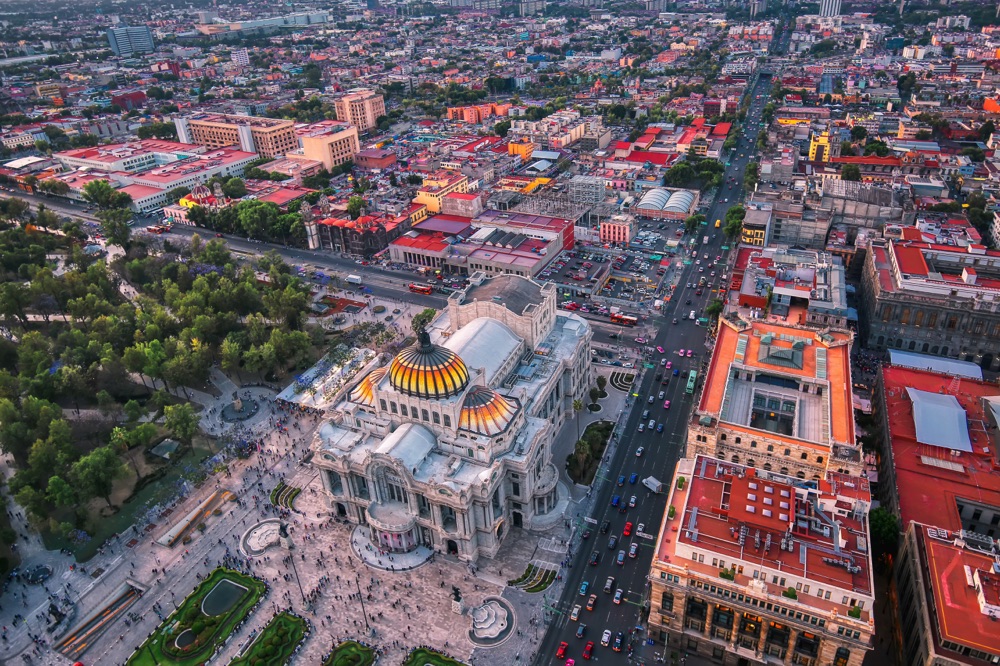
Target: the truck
(653, 484)
(353, 279)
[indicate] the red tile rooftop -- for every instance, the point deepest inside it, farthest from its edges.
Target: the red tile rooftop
(434, 242)
(958, 609)
(930, 479)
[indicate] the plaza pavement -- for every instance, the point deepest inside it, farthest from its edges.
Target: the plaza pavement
(404, 609)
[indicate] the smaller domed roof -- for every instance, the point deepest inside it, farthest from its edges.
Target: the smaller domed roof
(364, 392)
(486, 412)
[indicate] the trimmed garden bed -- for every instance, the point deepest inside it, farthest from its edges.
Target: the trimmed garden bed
(276, 643)
(427, 657)
(351, 653)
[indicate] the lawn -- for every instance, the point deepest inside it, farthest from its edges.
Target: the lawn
(276, 643)
(351, 653)
(205, 632)
(424, 657)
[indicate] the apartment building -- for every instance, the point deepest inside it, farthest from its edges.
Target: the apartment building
(932, 298)
(439, 185)
(331, 142)
(777, 396)
(938, 473)
(126, 41)
(755, 567)
(360, 107)
(269, 137)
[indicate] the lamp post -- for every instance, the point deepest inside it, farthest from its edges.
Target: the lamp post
(361, 598)
(297, 581)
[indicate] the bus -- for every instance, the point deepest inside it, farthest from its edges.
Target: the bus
(692, 378)
(157, 229)
(623, 319)
(421, 288)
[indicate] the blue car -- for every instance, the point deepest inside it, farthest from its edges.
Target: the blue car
(632, 479)
(584, 586)
(676, 372)
(616, 500)
(621, 480)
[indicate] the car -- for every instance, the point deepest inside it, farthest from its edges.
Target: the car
(605, 526)
(663, 362)
(561, 652)
(588, 649)
(612, 541)
(631, 502)
(619, 637)
(613, 336)
(650, 401)
(606, 637)
(687, 302)
(652, 424)
(584, 586)
(581, 630)
(586, 534)
(618, 596)
(609, 585)
(641, 527)
(642, 427)
(616, 500)
(675, 320)
(591, 602)
(641, 341)
(621, 480)
(659, 427)
(659, 349)
(595, 557)
(676, 372)
(680, 352)
(218, 235)
(620, 560)
(670, 364)
(698, 293)
(575, 614)
(690, 351)
(632, 550)
(633, 477)
(570, 662)
(628, 529)
(639, 451)
(660, 395)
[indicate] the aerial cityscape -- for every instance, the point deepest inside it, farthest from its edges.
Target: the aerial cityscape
(500, 332)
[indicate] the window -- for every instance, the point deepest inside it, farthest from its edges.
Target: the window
(447, 421)
(425, 415)
(770, 448)
(392, 405)
(382, 403)
(805, 456)
(437, 418)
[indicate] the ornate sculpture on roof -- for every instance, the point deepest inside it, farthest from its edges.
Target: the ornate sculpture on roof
(220, 196)
(324, 204)
(306, 212)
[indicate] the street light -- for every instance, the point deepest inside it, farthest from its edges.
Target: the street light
(361, 597)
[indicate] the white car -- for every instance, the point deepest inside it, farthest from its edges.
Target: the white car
(606, 637)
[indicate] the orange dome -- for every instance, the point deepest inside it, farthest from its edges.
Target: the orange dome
(426, 370)
(486, 412)
(364, 392)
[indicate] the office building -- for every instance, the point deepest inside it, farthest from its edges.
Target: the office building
(328, 141)
(269, 137)
(938, 473)
(932, 298)
(361, 108)
(755, 567)
(777, 396)
(126, 41)
(241, 57)
(449, 445)
(829, 8)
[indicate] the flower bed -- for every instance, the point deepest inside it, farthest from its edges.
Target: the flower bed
(277, 642)
(351, 653)
(189, 637)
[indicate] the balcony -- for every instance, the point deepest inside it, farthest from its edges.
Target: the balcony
(392, 517)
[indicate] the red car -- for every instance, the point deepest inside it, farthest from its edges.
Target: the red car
(628, 529)
(588, 649)
(561, 652)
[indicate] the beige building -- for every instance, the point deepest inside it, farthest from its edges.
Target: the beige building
(439, 185)
(360, 107)
(329, 141)
(755, 568)
(268, 137)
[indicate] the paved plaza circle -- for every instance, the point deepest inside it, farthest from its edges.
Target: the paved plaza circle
(362, 546)
(248, 408)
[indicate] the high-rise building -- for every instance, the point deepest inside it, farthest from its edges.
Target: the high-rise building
(754, 567)
(129, 40)
(241, 57)
(360, 107)
(329, 141)
(269, 137)
(829, 8)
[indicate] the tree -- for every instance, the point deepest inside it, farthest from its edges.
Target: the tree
(859, 133)
(14, 208)
(850, 172)
(692, 221)
(501, 128)
(101, 194)
(354, 207)
(884, 527)
(235, 188)
(158, 130)
(847, 149)
(60, 492)
(577, 408)
(422, 318)
(257, 217)
(95, 473)
(986, 130)
(178, 193)
(602, 382)
(182, 421)
(714, 309)
(115, 225)
(878, 148)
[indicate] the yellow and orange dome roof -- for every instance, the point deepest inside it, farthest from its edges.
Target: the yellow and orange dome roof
(486, 412)
(364, 392)
(426, 370)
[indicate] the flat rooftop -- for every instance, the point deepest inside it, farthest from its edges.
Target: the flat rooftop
(814, 531)
(229, 119)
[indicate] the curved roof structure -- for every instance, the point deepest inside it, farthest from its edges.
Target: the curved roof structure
(486, 412)
(426, 370)
(655, 199)
(679, 202)
(484, 343)
(364, 392)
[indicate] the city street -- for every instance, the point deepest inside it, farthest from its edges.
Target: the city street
(661, 452)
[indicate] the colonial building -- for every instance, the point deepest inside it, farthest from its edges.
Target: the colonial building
(778, 397)
(754, 567)
(449, 445)
(932, 298)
